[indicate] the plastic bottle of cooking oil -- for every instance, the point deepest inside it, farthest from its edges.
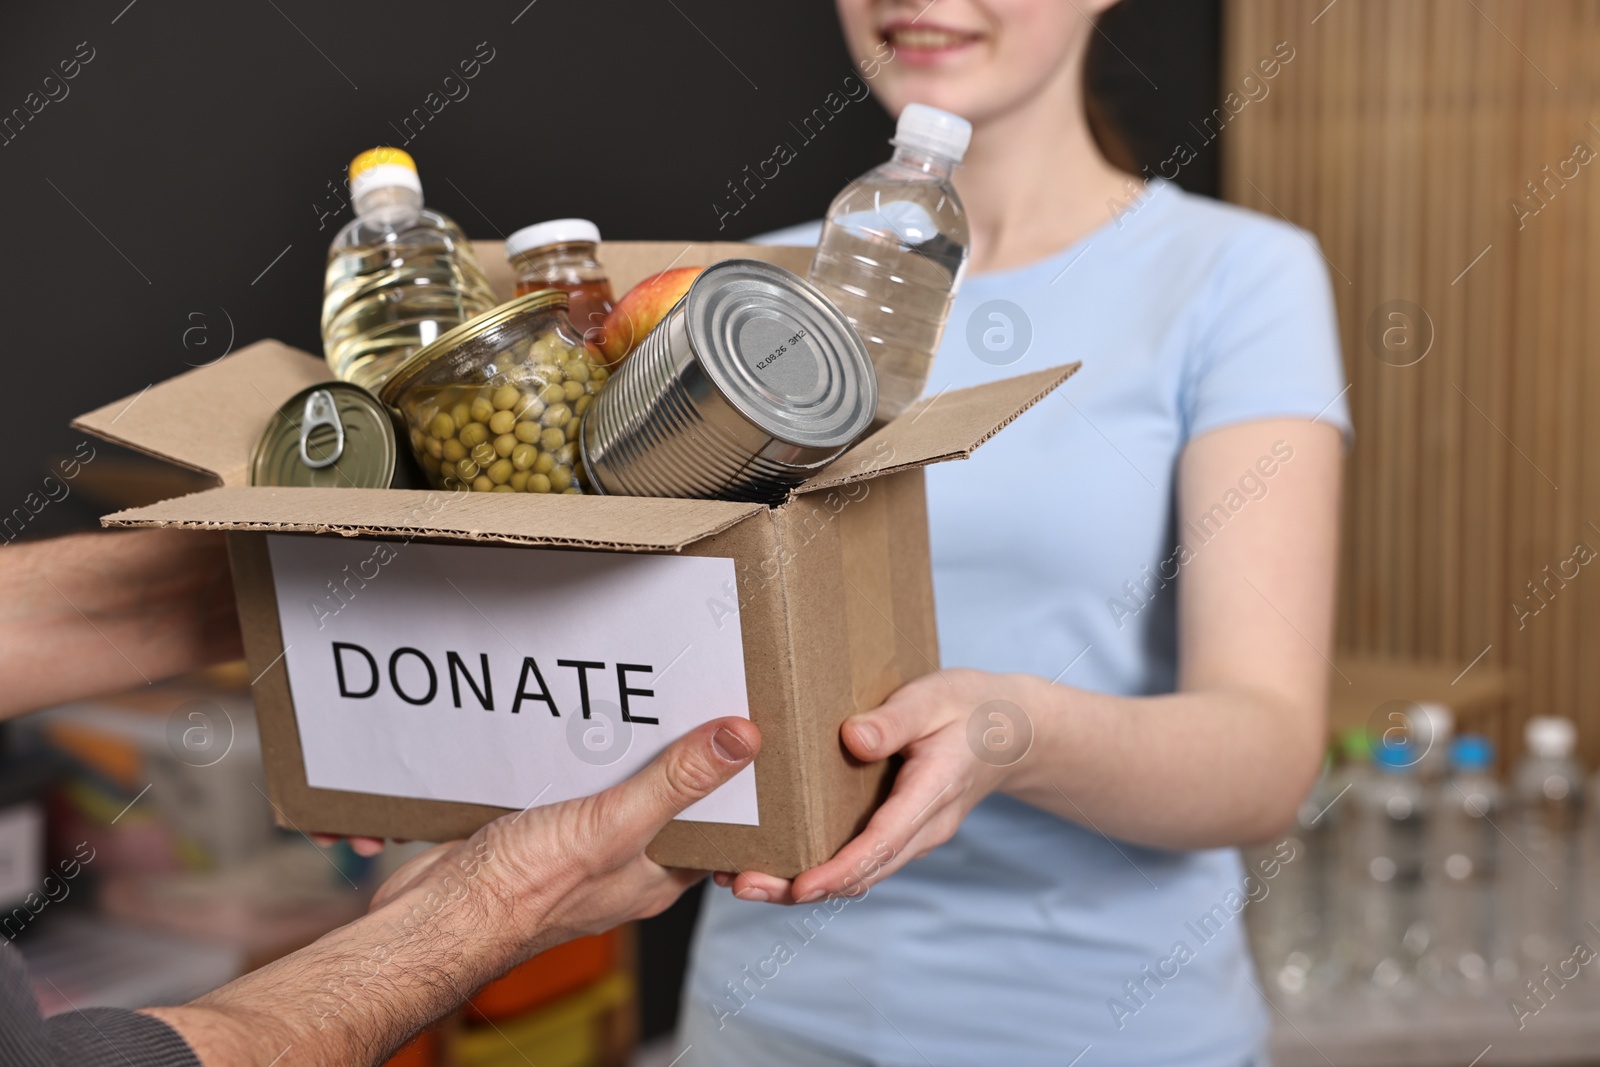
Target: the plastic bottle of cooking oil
(399, 274)
(893, 249)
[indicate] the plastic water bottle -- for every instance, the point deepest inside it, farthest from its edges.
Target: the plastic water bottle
(893, 250)
(1460, 870)
(1432, 731)
(1291, 926)
(1393, 810)
(1346, 870)
(399, 274)
(1549, 795)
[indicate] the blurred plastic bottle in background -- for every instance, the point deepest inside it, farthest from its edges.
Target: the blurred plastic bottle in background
(1543, 880)
(1295, 922)
(399, 274)
(1432, 730)
(1345, 871)
(893, 250)
(1459, 870)
(1588, 858)
(1387, 868)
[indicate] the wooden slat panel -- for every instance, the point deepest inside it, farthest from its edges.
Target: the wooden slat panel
(1401, 134)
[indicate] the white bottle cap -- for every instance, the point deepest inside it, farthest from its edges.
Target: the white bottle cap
(554, 232)
(932, 130)
(1438, 722)
(1550, 736)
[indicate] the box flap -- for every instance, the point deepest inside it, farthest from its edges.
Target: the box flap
(628, 524)
(208, 419)
(949, 425)
(627, 262)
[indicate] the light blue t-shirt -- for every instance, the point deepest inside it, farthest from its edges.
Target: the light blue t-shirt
(1027, 938)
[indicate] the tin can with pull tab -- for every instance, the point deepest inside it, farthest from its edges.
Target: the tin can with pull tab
(335, 436)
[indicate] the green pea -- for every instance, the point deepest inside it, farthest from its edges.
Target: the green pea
(503, 489)
(473, 434)
(538, 483)
(484, 454)
(519, 480)
(501, 422)
(545, 463)
(506, 397)
(552, 439)
(529, 407)
(561, 479)
(434, 447)
(554, 393)
(523, 455)
(466, 470)
(453, 450)
(526, 431)
(582, 404)
(462, 414)
(482, 410)
(442, 426)
(482, 484)
(556, 415)
(574, 390)
(500, 471)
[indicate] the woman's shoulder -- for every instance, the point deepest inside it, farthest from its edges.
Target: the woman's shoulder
(1223, 233)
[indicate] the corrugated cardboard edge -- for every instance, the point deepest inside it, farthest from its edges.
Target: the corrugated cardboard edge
(887, 451)
(222, 509)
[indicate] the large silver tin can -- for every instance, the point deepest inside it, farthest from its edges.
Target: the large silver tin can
(751, 383)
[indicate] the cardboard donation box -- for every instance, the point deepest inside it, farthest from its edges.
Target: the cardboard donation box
(427, 661)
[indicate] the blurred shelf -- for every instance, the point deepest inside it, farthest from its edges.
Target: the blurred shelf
(1432, 1031)
(1363, 684)
(80, 961)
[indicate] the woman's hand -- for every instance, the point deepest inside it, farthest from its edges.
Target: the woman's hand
(950, 765)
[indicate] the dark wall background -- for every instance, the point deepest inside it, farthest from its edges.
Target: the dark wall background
(174, 200)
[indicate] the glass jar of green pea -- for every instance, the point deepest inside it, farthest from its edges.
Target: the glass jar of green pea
(494, 405)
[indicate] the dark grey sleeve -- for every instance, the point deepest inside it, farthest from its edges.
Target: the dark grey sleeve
(93, 1037)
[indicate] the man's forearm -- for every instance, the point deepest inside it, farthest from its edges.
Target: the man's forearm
(357, 994)
(95, 613)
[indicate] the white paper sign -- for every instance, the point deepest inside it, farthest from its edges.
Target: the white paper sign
(502, 675)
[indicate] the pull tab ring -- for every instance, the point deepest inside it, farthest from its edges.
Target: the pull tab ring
(321, 411)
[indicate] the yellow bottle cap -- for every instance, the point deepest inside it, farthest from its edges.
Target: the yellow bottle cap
(377, 157)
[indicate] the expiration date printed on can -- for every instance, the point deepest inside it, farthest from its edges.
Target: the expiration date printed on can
(504, 675)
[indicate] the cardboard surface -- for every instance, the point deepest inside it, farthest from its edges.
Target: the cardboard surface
(634, 524)
(208, 419)
(834, 596)
(950, 425)
(495, 675)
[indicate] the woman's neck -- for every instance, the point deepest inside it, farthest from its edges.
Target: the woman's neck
(1033, 181)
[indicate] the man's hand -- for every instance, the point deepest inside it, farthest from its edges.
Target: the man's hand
(463, 913)
(578, 867)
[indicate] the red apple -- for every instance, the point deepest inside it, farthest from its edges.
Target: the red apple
(640, 308)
